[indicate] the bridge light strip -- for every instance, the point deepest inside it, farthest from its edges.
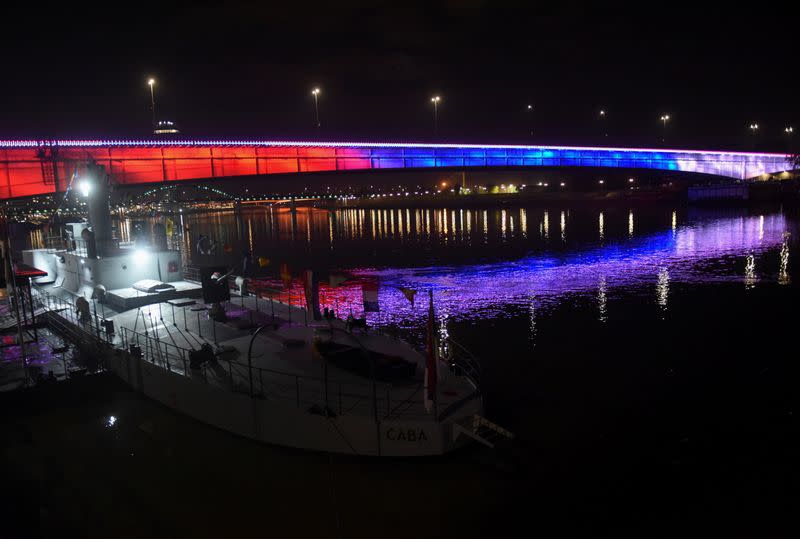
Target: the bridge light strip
(78, 143)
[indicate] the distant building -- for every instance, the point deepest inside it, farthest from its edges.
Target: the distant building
(166, 127)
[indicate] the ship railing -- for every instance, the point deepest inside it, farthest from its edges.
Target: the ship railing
(462, 361)
(331, 396)
(334, 397)
(327, 396)
(67, 310)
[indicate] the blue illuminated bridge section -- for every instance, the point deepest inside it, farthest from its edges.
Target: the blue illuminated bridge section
(29, 167)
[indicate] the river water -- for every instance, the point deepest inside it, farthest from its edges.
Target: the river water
(644, 357)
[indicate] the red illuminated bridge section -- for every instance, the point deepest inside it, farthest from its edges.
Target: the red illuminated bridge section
(35, 167)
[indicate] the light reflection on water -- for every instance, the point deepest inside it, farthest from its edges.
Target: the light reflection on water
(692, 255)
(492, 263)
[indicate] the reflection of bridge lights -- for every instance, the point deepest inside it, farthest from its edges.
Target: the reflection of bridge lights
(783, 262)
(602, 298)
(750, 271)
(662, 287)
(630, 223)
(601, 227)
(546, 225)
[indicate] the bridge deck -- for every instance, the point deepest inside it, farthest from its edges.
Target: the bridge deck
(35, 167)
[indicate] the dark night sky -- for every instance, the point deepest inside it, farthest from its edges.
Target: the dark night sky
(239, 69)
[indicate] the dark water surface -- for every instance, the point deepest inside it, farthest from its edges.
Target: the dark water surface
(645, 358)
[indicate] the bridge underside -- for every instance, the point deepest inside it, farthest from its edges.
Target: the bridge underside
(30, 168)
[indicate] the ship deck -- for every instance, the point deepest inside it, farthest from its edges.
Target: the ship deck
(284, 367)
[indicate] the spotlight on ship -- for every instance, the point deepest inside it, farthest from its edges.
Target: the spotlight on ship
(140, 256)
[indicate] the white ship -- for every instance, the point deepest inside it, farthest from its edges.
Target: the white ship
(269, 371)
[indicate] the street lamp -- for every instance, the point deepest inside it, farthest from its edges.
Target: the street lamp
(789, 130)
(754, 132)
(151, 82)
(435, 100)
(603, 122)
(315, 93)
(664, 120)
(530, 119)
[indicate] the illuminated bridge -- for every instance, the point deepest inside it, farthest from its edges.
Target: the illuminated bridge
(40, 167)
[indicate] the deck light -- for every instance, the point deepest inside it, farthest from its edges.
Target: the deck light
(140, 256)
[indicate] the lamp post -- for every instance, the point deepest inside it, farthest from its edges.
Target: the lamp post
(530, 119)
(315, 93)
(753, 132)
(435, 100)
(789, 130)
(664, 120)
(151, 82)
(603, 124)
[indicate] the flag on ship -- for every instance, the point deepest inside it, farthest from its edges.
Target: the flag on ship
(369, 293)
(409, 293)
(431, 374)
(286, 275)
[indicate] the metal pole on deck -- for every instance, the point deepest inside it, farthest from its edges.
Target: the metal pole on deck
(250, 357)
(11, 277)
(33, 313)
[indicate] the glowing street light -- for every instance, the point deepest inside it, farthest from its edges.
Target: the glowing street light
(664, 120)
(530, 119)
(754, 132)
(151, 82)
(315, 92)
(788, 130)
(435, 100)
(603, 122)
